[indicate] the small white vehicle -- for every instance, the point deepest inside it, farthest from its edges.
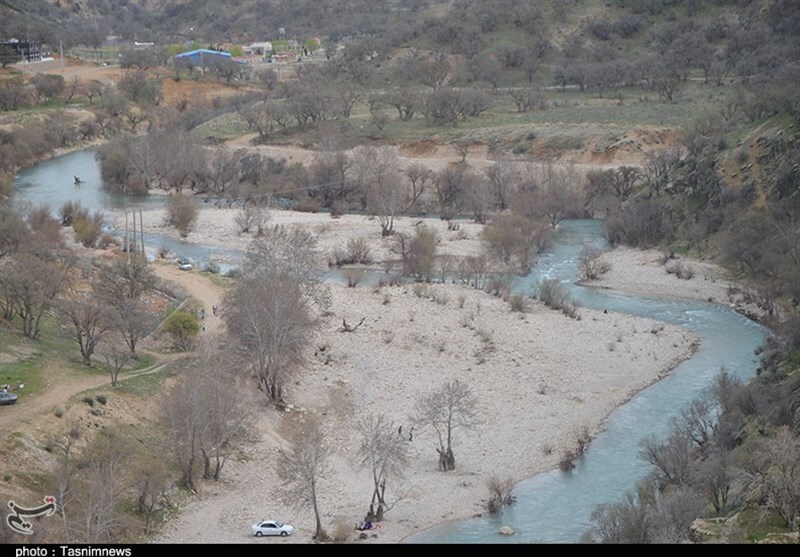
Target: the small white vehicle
(272, 528)
(184, 265)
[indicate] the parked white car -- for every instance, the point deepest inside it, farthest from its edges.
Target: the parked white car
(272, 528)
(184, 265)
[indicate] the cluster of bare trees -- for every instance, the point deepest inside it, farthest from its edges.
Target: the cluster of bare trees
(205, 415)
(711, 464)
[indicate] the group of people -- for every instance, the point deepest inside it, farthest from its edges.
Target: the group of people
(214, 311)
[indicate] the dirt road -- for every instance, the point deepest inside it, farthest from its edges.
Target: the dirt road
(198, 287)
(59, 389)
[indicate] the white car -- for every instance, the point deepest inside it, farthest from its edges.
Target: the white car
(272, 528)
(184, 265)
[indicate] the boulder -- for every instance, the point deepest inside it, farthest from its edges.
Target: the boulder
(506, 531)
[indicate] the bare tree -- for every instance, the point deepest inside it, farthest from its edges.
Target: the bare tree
(776, 475)
(121, 286)
(418, 252)
(90, 483)
(302, 466)
(514, 238)
(479, 196)
(714, 479)
(451, 407)
(90, 321)
(420, 178)
(127, 278)
(223, 170)
(204, 415)
(405, 101)
(34, 281)
(270, 316)
(434, 73)
(252, 218)
(269, 311)
(671, 457)
(385, 455)
(116, 357)
(376, 170)
(503, 177)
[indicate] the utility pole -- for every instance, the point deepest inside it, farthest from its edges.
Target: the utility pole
(61, 48)
(141, 231)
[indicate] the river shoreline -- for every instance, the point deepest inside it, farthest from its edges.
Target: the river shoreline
(541, 377)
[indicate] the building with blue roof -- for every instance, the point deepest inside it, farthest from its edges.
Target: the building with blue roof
(203, 57)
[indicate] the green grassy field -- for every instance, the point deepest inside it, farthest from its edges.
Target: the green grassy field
(570, 113)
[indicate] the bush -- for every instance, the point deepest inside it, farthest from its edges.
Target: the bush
(567, 461)
(71, 211)
(59, 412)
(518, 303)
(357, 252)
(183, 327)
(590, 265)
(211, 267)
(308, 205)
(182, 213)
(106, 240)
(87, 232)
(680, 270)
(499, 493)
(88, 400)
(101, 399)
(418, 252)
(555, 296)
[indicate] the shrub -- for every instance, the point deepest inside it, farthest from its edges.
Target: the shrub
(358, 251)
(555, 296)
(182, 213)
(552, 294)
(86, 232)
(500, 493)
(101, 399)
(590, 265)
(59, 412)
(418, 252)
(518, 303)
(211, 267)
(680, 270)
(183, 327)
(106, 240)
(70, 211)
(567, 461)
(308, 205)
(88, 400)
(421, 290)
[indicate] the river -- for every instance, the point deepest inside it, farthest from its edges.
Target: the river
(52, 183)
(553, 507)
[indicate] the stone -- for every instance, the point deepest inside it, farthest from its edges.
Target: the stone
(506, 531)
